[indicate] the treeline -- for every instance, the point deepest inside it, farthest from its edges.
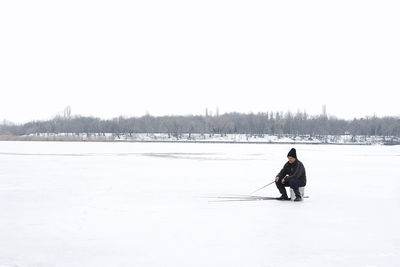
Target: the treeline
(274, 123)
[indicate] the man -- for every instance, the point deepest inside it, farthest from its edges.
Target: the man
(293, 174)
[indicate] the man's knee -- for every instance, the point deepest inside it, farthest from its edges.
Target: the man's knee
(279, 184)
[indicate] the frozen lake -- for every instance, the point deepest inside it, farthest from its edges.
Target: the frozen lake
(146, 204)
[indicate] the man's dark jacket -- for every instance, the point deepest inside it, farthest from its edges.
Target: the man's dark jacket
(295, 171)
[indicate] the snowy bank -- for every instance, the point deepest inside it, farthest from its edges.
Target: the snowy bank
(211, 138)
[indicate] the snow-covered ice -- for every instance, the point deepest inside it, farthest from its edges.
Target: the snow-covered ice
(146, 204)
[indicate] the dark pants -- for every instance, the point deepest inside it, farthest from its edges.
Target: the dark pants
(293, 183)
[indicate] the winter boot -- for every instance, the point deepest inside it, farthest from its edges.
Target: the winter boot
(298, 195)
(284, 195)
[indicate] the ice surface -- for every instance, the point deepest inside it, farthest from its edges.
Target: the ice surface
(146, 204)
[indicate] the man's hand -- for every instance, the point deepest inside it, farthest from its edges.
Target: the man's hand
(283, 180)
(276, 178)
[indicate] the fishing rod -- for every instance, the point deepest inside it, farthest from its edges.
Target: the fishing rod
(262, 187)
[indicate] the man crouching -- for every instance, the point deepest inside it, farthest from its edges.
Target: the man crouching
(293, 174)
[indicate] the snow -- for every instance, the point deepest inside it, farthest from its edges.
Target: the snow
(346, 139)
(147, 204)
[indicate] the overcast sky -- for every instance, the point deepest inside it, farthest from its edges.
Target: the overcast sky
(111, 58)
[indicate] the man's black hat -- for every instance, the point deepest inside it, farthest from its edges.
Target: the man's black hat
(292, 153)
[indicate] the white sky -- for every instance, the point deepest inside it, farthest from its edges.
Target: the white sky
(111, 58)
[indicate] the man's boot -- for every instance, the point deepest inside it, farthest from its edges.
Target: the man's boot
(297, 194)
(284, 195)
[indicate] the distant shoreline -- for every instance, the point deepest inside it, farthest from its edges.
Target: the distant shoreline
(186, 142)
(114, 139)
